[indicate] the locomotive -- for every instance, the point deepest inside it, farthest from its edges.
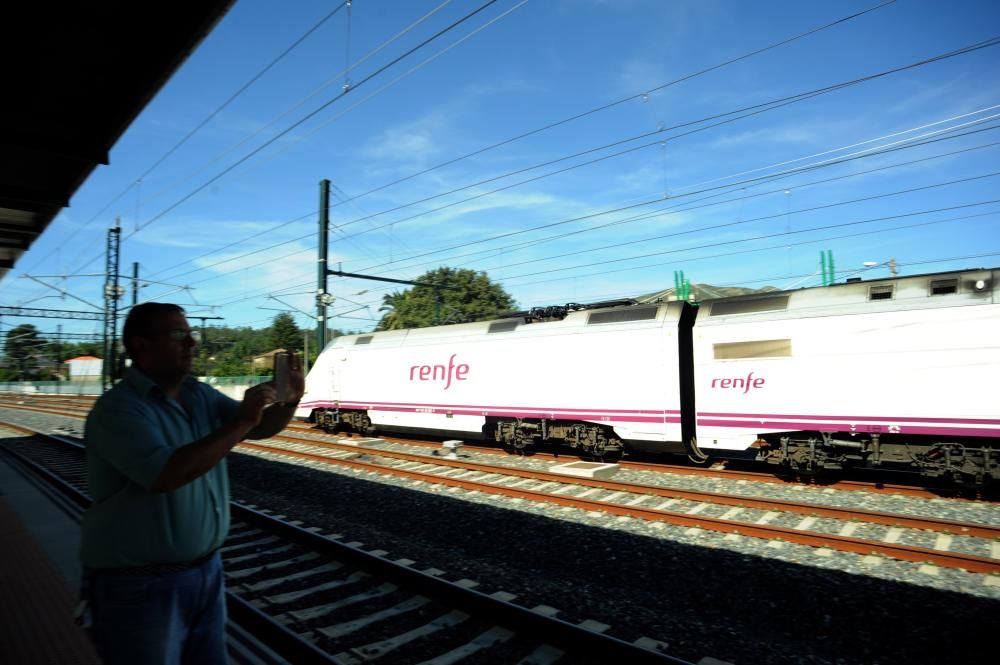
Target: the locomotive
(889, 373)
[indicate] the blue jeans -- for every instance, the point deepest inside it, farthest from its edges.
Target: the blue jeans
(161, 619)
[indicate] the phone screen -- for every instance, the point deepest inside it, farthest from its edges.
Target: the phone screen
(281, 382)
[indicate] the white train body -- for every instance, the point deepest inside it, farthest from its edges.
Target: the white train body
(920, 358)
(452, 379)
(862, 371)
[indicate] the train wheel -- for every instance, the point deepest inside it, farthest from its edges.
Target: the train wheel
(606, 449)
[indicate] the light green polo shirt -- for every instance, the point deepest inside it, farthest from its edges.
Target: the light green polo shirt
(131, 432)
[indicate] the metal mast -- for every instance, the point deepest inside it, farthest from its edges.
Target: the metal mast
(111, 294)
(322, 298)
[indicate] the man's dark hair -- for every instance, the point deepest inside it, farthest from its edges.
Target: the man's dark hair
(141, 318)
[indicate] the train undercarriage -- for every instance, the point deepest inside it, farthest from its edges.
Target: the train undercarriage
(332, 420)
(969, 462)
(973, 463)
(517, 434)
(521, 433)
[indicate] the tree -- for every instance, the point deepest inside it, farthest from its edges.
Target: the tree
(391, 302)
(285, 334)
(462, 296)
(23, 344)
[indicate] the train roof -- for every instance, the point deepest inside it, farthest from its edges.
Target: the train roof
(943, 289)
(610, 317)
(973, 286)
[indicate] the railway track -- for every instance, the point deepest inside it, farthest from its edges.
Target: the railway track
(968, 546)
(720, 470)
(927, 541)
(312, 597)
(79, 406)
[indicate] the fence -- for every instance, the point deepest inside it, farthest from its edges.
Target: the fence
(229, 385)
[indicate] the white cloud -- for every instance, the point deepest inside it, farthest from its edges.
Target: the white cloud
(758, 137)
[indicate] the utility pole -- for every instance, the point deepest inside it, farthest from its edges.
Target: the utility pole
(305, 352)
(204, 336)
(322, 297)
(111, 295)
(135, 283)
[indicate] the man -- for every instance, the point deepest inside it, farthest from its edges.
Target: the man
(156, 447)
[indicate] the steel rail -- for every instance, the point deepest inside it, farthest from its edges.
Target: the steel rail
(856, 545)
(665, 467)
(538, 626)
(847, 514)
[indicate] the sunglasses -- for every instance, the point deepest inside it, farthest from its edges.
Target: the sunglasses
(179, 335)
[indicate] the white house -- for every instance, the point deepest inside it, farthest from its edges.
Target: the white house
(85, 368)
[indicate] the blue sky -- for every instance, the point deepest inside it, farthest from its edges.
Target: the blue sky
(642, 183)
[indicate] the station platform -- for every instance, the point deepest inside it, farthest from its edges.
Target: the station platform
(39, 582)
(38, 578)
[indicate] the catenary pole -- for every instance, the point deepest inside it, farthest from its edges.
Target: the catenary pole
(321, 295)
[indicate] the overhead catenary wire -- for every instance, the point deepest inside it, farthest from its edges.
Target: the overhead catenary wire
(298, 104)
(302, 120)
(658, 199)
(506, 266)
(779, 234)
(711, 257)
(340, 227)
(657, 88)
(605, 269)
(748, 111)
(789, 99)
(677, 209)
(624, 100)
(191, 133)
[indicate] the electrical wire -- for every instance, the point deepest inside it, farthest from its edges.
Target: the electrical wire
(797, 170)
(297, 105)
(299, 122)
(676, 209)
(657, 88)
(624, 100)
(339, 228)
(196, 129)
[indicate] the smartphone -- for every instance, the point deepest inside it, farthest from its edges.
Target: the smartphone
(282, 364)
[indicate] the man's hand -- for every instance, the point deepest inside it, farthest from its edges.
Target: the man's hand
(255, 400)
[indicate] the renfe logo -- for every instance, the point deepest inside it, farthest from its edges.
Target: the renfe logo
(746, 384)
(440, 372)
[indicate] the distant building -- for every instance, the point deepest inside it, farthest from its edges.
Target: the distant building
(85, 368)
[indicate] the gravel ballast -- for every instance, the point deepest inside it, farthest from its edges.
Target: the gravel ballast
(738, 599)
(701, 594)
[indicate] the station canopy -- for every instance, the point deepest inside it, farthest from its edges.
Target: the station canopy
(75, 76)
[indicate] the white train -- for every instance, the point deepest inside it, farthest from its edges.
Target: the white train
(892, 372)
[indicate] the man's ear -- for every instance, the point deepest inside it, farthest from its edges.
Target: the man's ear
(140, 345)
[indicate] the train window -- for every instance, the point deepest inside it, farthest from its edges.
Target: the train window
(881, 292)
(726, 307)
(940, 287)
(764, 348)
(502, 326)
(622, 315)
(366, 339)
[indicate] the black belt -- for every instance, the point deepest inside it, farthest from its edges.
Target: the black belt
(160, 568)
